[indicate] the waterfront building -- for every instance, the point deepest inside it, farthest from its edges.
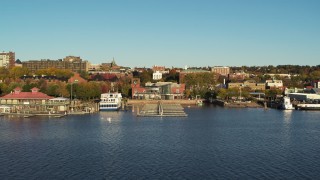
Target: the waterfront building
(221, 70)
(26, 102)
(304, 96)
(72, 63)
(159, 90)
(7, 59)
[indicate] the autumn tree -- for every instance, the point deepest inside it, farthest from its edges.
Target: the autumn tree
(17, 72)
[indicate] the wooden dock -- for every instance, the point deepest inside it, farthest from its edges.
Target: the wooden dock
(162, 110)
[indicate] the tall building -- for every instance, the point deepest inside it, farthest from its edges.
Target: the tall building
(7, 59)
(73, 63)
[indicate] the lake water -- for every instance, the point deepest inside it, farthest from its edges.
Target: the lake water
(211, 143)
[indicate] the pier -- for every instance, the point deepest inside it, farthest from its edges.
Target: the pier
(162, 110)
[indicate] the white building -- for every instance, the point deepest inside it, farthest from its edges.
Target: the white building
(157, 75)
(278, 84)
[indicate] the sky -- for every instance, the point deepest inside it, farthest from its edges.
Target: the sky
(171, 33)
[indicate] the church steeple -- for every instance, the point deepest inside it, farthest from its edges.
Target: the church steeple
(113, 63)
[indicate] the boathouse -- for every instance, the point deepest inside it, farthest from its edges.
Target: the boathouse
(26, 102)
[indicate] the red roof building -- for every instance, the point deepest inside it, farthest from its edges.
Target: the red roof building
(33, 95)
(26, 102)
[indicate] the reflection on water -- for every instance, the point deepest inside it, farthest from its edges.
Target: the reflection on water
(111, 116)
(211, 143)
(287, 115)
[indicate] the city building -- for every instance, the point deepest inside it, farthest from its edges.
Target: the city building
(159, 90)
(156, 75)
(72, 63)
(316, 84)
(274, 84)
(7, 59)
(251, 84)
(222, 70)
(161, 69)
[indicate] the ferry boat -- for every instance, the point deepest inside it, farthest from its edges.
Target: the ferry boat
(110, 101)
(286, 104)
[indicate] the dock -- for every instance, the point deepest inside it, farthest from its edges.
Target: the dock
(162, 110)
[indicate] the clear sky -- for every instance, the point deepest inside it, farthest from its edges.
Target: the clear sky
(143, 33)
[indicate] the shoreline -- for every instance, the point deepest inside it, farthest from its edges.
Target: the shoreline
(177, 101)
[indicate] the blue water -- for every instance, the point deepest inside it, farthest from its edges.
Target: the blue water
(211, 143)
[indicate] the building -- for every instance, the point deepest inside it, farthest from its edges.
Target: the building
(288, 76)
(7, 59)
(72, 63)
(27, 102)
(159, 90)
(156, 75)
(252, 85)
(161, 69)
(222, 70)
(304, 96)
(316, 84)
(274, 84)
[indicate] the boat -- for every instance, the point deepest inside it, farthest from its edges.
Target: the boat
(286, 104)
(308, 106)
(110, 101)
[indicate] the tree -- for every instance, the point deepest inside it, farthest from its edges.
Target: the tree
(17, 72)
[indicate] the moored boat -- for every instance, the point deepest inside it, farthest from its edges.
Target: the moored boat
(286, 104)
(110, 101)
(308, 106)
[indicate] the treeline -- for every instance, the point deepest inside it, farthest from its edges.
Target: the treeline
(56, 85)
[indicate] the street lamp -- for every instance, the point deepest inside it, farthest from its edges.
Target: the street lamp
(75, 81)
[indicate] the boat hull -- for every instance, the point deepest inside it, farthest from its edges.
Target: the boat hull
(109, 109)
(315, 107)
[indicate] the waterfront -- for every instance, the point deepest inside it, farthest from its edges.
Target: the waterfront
(211, 143)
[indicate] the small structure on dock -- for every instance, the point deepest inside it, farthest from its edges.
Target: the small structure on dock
(162, 110)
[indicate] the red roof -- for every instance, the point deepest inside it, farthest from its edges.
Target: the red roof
(26, 95)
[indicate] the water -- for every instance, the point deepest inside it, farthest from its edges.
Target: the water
(211, 143)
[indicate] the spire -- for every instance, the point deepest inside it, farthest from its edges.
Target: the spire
(113, 63)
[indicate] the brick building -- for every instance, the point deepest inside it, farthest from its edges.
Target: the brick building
(72, 63)
(222, 70)
(159, 90)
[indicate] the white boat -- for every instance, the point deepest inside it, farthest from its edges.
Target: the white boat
(286, 104)
(110, 101)
(308, 106)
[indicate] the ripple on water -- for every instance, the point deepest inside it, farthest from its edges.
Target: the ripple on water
(211, 143)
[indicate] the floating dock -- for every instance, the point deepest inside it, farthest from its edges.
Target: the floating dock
(162, 110)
